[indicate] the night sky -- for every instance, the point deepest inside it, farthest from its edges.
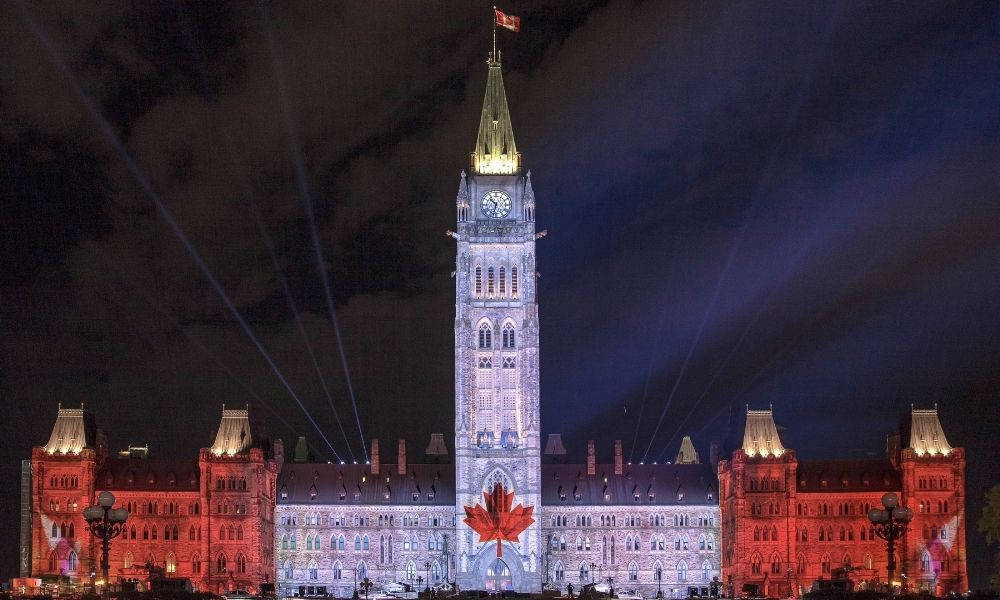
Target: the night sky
(794, 204)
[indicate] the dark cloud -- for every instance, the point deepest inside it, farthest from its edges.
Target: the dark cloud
(842, 158)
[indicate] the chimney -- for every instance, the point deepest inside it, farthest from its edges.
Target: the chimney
(374, 456)
(618, 457)
(278, 448)
(713, 455)
(401, 461)
(591, 461)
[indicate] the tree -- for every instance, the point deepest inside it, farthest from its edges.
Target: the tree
(989, 525)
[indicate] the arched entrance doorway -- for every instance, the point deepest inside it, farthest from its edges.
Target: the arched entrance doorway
(498, 577)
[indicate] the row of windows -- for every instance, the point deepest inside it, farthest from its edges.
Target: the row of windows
(356, 495)
(383, 520)
(507, 339)
(636, 496)
(682, 572)
(64, 481)
(337, 571)
(657, 520)
(932, 483)
(63, 530)
(826, 509)
(925, 507)
(169, 533)
(231, 483)
(290, 542)
(56, 505)
(656, 543)
(70, 562)
(496, 287)
(846, 534)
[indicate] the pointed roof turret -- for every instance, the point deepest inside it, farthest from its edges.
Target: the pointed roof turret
(760, 438)
(926, 434)
(69, 434)
(233, 436)
(495, 152)
(687, 454)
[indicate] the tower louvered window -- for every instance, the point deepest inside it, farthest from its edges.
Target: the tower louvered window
(503, 282)
(479, 282)
(513, 282)
(489, 282)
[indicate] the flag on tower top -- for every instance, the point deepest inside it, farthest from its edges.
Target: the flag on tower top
(507, 21)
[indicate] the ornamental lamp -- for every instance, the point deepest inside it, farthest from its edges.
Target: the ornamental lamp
(106, 499)
(890, 500)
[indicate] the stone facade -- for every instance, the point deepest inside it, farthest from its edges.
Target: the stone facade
(787, 523)
(209, 519)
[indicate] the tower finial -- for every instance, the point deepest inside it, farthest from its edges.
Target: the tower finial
(493, 55)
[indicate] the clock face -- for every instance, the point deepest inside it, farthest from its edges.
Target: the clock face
(496, 204)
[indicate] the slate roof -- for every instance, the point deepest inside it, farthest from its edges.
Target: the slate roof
(670, 484)
(149, 474)
(868, 475)
(324, 483)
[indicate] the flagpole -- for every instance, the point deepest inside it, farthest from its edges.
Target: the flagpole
(494, 55)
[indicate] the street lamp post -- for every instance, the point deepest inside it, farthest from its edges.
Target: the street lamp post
(890, 524)
(593, 567)
(105, 523)
(427, 573)
(611, 585)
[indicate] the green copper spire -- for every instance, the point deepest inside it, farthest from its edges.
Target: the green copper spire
(495, 153)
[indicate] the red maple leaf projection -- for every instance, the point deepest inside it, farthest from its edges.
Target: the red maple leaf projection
(498, 521)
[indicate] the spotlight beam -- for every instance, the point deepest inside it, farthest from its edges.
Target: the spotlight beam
(711, 382)
(300, 174)
(268, 242)
(112, 138)
(701, 327)
(649, 372)
(197, 343)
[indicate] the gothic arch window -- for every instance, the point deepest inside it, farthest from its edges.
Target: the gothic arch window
(411, 571)
(287, 568)
(800, 565)
(508, 335)
(171, 563)
(701, 542)
(490, 282)
(775, 565)
(825, 564)
(72, 561)
(774, 533)
(925, 562)
(241, 563)
(366, 543)
(868, 561)
(755, 564)
(362, 570)
(312, 570)
(503, 282)
(53, 561)
(706, 571)
(221, 563)
(284, 542)
(682, 571)
(479, 281)
(341, 542)
(357, 542)
(513, 282)
(633, 571)
(584, 572)
(338, 570)
(498, 477)
(485, 336)
(560, 571)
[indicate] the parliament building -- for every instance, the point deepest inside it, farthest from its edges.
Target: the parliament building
(242, 514)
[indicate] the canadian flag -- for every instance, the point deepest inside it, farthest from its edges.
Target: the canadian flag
(507, 21)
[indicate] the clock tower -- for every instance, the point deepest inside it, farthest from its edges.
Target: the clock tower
(496, 349)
